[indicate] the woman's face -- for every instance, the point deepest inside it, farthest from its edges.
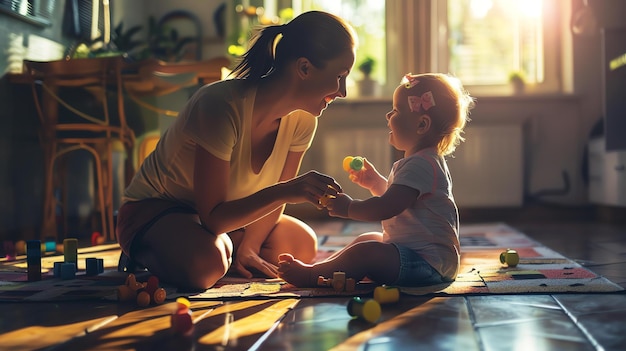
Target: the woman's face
(326, 84)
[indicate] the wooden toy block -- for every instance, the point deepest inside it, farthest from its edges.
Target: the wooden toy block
(57, 269)
(68, 270)
(70, 250)
(350, 284)
(33, 260)
(91, 266)
(339, 281)
(321, 281)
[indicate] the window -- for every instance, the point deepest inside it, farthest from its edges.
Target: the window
(37, 12)
(488, 41)
(366, 16)
(483, 42)
(368, 19)
(480, 41)
(491, 39)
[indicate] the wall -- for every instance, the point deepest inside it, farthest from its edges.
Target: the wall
(21, 183)
(556, 127)
(20, 154)
(547, 154)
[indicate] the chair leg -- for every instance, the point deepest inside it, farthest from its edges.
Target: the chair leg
(110, 235)
(100, 179)
(48, 220)
(61, 199)
(105, 171)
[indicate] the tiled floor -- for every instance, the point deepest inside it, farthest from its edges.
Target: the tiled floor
(505, 322)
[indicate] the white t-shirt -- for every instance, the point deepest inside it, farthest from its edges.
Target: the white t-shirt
(431, 225)
(218, 118)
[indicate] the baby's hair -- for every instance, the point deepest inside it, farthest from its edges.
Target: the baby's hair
(315, 35)
(450, 109)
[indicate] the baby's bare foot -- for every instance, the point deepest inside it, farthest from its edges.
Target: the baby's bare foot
(295, 271)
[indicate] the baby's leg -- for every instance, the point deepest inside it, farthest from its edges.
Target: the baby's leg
(375, 236)
(295, 271)
(375, 260)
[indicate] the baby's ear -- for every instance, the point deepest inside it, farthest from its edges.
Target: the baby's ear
(423, 124)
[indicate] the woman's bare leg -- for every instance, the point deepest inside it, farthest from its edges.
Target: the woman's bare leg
(178, 250)
(293, 236)
(373, 259)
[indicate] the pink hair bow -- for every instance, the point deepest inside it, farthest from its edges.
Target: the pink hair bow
(426, 101)
(409, 81)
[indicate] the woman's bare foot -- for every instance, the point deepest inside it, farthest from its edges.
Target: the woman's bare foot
(296, 272)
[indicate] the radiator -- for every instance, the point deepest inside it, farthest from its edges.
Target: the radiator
(487, 169)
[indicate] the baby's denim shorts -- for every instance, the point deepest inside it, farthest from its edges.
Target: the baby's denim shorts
(415, 271)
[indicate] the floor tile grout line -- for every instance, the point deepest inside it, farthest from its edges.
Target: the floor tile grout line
(580, 327)
(472, 317)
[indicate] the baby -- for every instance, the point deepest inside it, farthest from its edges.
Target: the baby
(419, 244)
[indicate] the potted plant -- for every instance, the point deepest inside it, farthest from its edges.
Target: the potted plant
(367, 86)
(518, 81)
(367, 66)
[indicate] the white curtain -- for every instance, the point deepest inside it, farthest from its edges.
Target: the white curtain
(409, 38)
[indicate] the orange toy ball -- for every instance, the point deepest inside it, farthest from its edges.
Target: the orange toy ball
(143, 298)
(158, 296)
(346, 163)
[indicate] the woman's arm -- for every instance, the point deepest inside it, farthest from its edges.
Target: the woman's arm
(211, 181)
(257, 232)
(258, 212)
(211, 177)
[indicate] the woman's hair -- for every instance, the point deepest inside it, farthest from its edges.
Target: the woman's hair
(315, 35)
(449, 109)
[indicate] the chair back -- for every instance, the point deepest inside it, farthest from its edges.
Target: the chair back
(99, 76)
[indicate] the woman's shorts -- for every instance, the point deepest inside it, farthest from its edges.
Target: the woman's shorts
(135, 218)
(415, 271)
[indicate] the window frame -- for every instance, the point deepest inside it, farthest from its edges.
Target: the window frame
(40, 14)
(428, 52)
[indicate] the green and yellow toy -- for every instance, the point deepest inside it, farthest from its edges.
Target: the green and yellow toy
(353, 162)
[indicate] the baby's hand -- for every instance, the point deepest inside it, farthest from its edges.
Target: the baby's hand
(354, 165)
(339, 205)
(367, 177)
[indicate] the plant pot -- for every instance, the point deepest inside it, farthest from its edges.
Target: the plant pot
(518, 87)
(367, 87)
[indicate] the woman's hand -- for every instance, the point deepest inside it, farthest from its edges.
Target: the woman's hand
(309, 187)
(247, 260)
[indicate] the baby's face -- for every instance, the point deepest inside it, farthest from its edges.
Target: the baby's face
(402, 122)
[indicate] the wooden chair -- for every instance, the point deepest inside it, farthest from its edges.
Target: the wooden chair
(159, 78)
(61, 135)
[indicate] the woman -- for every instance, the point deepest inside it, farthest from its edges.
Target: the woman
(214, 190)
